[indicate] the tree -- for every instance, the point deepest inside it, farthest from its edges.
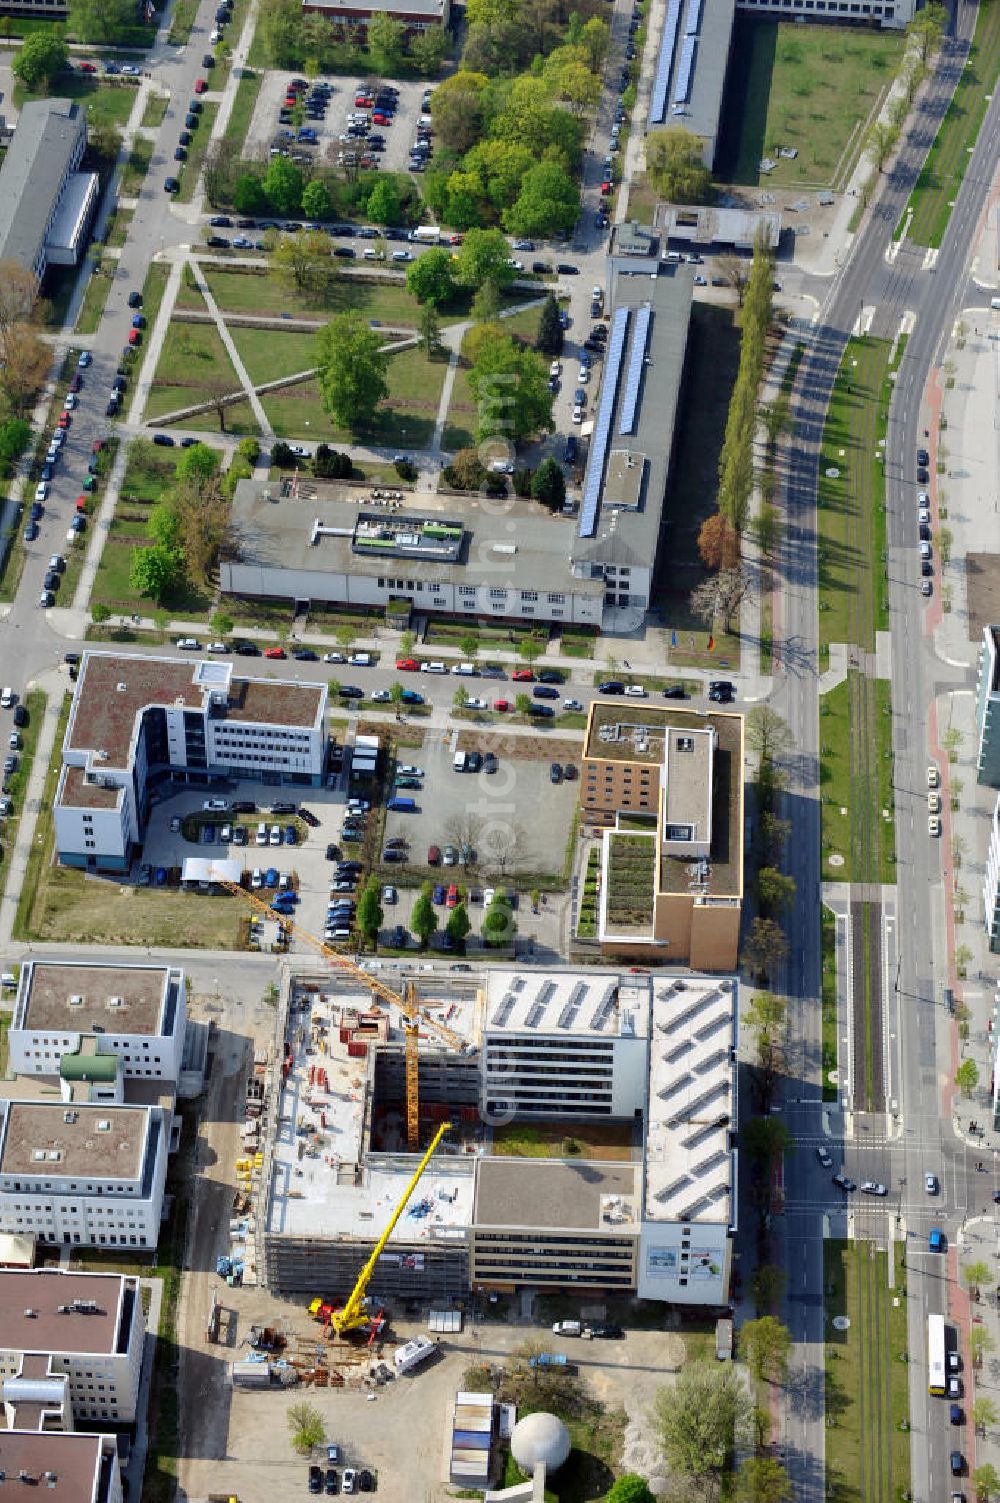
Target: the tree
(766, 1343)
(15, 434)
(596, 37)
(717, 543)
(766, 1141)
(522, 704)
(483, 257)
(458, 109)
(510, 385)
(698, 1418)
(307, 1427)
(767, 1285)
(423, 919)
(24, 358)
(153, 570)
(984, 1414)
(385, 42)
(548, 203)
(317, 200)
(100, 20)
(407, 642)
(499, 927)
(926, 30)
(430, 330)
(429, 278)
(458, 925)
(163, 526)
(980, 1342)
(722, 595)
(352, 373)
(879, 143)
(40, 57)
(986, 1480)
(249, 196)
(675, 165)
(775, 891)
(281, 31)
(630, 1488)
(384, 203)
(548, 484)
(976, 1275)
(486, 303)
(370, 913)
(303, 261)
(766, 947)
(202, 509)
(967, 1077)
(283, 186)
(767, 733)
(468, 645)
(761, 1479)
(197, 464)
(428, 49)
(736, 270)
(550, 338)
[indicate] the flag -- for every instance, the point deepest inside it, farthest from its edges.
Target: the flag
(673, 637)
(711, 643)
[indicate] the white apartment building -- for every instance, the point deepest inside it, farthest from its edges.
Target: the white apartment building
(86, 1328)
(69, 1467)
(82, 1173)
(135, 1013)
(141, 723)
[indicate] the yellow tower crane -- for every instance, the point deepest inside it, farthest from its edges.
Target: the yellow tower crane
(353, 1315)
(405, 1001)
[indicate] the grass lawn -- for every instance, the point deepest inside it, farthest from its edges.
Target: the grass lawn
(192, 360)
(35, 702)
(828, 944)
(188, 172)
(95, 296)
(942, 173)
(243, 106)
(112, 582)
(868, 1453)
(407, 418)
(266, 293)
(136, 167)
(239, 419)
(864, 836)
(153, 289)
(572, 1140)
(853, 597)
(268, 355)
(811, 89)
(149, 471)
(155, 111)
(182, 21)
(108, 102)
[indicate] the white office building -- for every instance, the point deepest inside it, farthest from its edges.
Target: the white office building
(139, 724)
(136, 1014)
(67, 1467)
(82, 1173)
(85, 1328)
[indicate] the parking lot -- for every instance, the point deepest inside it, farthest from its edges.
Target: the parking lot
(399, 136)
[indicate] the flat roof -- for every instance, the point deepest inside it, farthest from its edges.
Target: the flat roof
(703, 107)
(630, 534)
(49, 988)
(78, 791)
(69, 1460)
(521, 538)
(600, 1004)
(113, 690)
(692, 1100)
(577, 1195)
(688, 773)
(435, 9)
(70, 223)
(84, 1146)
(712, 224)
(57, 1323)
(408, 536)
(33, 172)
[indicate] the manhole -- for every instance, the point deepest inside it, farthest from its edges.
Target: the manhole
(836, 859)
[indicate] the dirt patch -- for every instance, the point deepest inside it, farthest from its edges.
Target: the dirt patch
(983, 586)
(591, 1140)
(519, 748)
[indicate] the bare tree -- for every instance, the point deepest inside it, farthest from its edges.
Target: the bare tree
(722, 595)
(464, 829)
(504, 842)
(736, 270)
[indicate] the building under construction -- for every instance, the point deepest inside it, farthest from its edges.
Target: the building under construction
(630, 1077)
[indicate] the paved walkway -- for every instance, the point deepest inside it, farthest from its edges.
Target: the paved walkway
(256, 406)
(54, 685)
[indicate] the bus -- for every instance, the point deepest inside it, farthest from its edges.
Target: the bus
(935, 1355)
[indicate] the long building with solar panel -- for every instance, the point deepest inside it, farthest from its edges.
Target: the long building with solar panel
(591, 1147)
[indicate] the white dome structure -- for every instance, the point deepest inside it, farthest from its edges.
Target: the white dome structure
(540, 1437)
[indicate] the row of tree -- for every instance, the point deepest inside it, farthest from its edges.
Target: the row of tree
(293, 38)
(283, 187)
(186, 528)
(24, 357)
(498, 928)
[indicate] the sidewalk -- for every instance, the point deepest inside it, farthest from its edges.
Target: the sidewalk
(17, 860)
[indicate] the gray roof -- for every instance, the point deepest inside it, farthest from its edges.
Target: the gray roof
(704, 105)
(626, 536)
(560, 1193)
(33, 174)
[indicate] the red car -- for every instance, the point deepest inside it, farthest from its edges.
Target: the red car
(451, 901)
(605, 188)
(88, 68)
(379, 119)
(200, 86)
(134, 337)
(407, 665)
(63, 420)
(523, 676)
(274, 652)
(81, 503)
(97, 446)
(363, 101)
(433, 855)
(502, 704)
(454, 239)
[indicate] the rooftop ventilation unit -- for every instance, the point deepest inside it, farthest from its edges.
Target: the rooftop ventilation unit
(121, 686)
(116, 1001)
(76, 1000)
(70, 1117)
(104, 1125)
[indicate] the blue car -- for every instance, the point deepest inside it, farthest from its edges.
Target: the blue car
(291, 838)
(271, 877)
(36, 510)
(161, 876)
(31, 532)
(411, 697)
(282, 904)
(437, 896)
(46, 472)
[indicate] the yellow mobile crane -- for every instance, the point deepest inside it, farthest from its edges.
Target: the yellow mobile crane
(353, 1315)
(406, 1002)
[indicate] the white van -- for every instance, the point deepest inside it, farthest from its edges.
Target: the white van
(6, 698)
(261, 836)
(426, 234)
(467, 670)
(459, 762)
(432, 667)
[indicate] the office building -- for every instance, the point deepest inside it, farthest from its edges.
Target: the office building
(87, 1329)
(991, 882)
(67, 1010)
(69, 1468)
(81, 1172)
(139, 726)
(351, 16)
(988, 709)
(46, 203)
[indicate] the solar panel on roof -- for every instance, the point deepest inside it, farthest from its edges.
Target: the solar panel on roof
(504, 1011)
(602, 424)
(605, 1007)
(546, 992)
(568, 1015)
(693, 24)
(535, 1015)
(633, 376)
(664, 63)
(685, 70)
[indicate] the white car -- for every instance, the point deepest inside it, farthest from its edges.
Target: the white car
(188, 644)
(215, 805)
(515, 265)
(349, 1479)
(381, 696)
(216, 35)
(923, 498)
(824, 1157)
(635, 691)
(41, 490)
(489, 893)
(334, 657)
(572, 704)
(298, 451)
(274, 838)
(873, 1187)
(933, 825)
(389, 894)
(701, 281)
(931, 1184)
(578, 414)
(933, 802)
(362, 803)
(410, 770)
(923, 515)
(402, 255)
(474, 703)
(583, 375)
(933, 776)
(432, 667)
(216, 647)
(69, 401)
(130, 70)
(257, 880)
(925, 550)
(555, 369)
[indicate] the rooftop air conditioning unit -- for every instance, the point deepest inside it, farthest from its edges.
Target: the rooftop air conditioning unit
(116, 1001)
(70, 1117)
(100, 755)
(104, 1125)
(121, 686)
(76, 1000)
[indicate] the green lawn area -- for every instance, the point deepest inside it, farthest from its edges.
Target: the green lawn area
(193, 358)
(156, 109)
(867, 1403)
(95, 296)
(407, 418)
(149, 472)
(269, 355)
(564, 1140)
(35, 702)
(182, 21)
(239, 419)
(136, 167)
(811, 89)
(243, 106)
(188, 171)
(118, 227)
(268, 294)
(108, 102)
(828, 942)
(853, 597)
(859, 702)
(943, 171)
(153, 289)
(112, 584)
